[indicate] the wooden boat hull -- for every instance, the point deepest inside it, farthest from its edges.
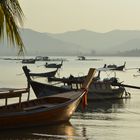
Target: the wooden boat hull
(103, 90)
(96, 91)
(115, 67)
(53, 65)
(119, 68)
(102, 95)
(47, 74)
(42, 111)
(28, 61)
(42, 90)
(40, 116)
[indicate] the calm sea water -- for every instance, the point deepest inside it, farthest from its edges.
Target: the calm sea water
(102, 120)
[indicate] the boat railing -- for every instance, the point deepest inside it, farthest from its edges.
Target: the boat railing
(6, 94)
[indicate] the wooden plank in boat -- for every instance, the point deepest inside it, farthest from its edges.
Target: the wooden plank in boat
(10, 93)
(38, 107)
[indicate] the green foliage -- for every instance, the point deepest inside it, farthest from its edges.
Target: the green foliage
(11, 17)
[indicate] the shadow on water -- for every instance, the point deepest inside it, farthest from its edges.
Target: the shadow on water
(61, 131)
(101, 110)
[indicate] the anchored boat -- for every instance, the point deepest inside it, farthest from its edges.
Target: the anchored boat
(98, 89)
(41, 111)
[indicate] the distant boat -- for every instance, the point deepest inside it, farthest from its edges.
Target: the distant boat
(53, 65)
(45, 74)
(41, 58)
(115, 67)
(46, 58)
(83, 58)
(136, 75)
(28, 61)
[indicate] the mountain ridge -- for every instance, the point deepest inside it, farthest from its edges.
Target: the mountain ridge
(78, 42)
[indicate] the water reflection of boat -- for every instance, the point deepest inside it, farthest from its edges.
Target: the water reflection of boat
(60, 131)
(104, 106)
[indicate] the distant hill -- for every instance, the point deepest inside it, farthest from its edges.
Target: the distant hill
(113, 41)
(77, 42)
(42, 44)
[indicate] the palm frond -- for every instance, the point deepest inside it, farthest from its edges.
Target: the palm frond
(1, 24)
(12, 18)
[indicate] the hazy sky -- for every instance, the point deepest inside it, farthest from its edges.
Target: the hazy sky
(66, 15)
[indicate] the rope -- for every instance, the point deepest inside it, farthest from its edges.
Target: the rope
(132, 112)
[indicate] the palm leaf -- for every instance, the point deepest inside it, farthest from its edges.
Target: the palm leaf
(12, 18)
(1, 24)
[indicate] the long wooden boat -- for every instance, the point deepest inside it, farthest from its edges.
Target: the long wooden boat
(41, 111)
(98, 90)
(28, 61)
(101, 90)
(83, 58)
(46, 58)
(53, 65)
(45, 74)
(115, 67)
(68, 80)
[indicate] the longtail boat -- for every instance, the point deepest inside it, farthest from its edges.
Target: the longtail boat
(101, 90)
(115, 67)
(45, 74)
(53, 65)
(40, 111)
(28, 61)
(83, 58)
(108, 88)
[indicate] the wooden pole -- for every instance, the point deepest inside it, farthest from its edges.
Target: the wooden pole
(124, 85)
(89, 78)
(26, 71)
(86, 85)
